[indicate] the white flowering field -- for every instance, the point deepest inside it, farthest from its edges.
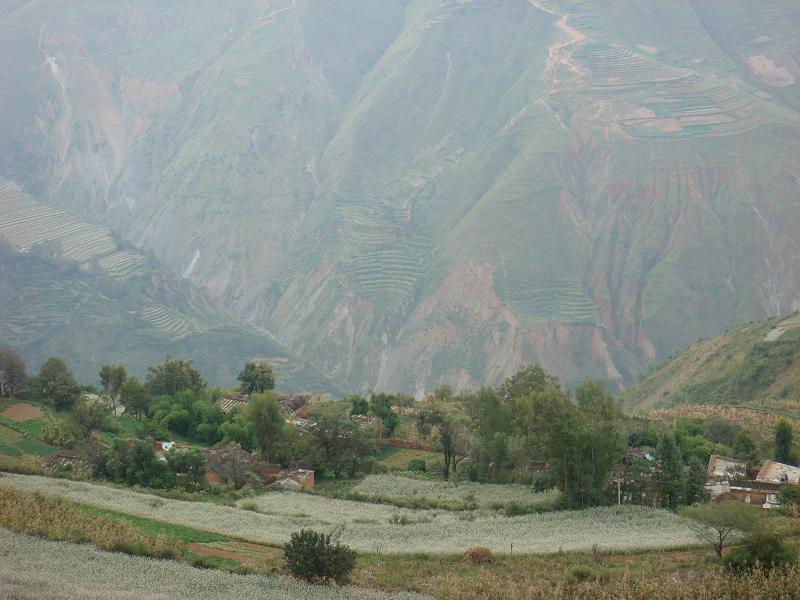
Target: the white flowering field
(485, 495)
(386, 529)
(35, 568)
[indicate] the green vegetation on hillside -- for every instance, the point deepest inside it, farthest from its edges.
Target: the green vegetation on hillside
(756, 365)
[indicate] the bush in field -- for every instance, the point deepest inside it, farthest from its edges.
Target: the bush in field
(61, 434)
(417, 464)
(479, 556)
(581, 573)
(765, 551)
(312, 556)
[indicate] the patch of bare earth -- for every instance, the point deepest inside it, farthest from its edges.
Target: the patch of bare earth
(242, 552)
(22, 411)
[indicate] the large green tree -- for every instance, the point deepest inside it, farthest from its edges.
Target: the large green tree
(670, 473)
(56, 383)
(343, 447)
(135, 397)
(266, 423)
(173, 376)
(90, 415)
(453, 430)
(783, 441)
(112, 378)
(12, 372)
(256, 377)
(744, 447)
(380, 405)
(495, 460)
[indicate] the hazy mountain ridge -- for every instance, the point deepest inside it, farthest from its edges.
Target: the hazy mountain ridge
(411, 193)
(69, 289)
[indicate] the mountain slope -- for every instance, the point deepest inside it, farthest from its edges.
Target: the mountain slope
(430, 191)
(70, 289)
(751, 364)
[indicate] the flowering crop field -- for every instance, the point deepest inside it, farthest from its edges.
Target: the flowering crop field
(381, 528)
(35, 568)
(485, 495)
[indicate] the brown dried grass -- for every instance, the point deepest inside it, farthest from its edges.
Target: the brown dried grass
(56, 519)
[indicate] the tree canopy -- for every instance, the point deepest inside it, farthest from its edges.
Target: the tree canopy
(56, 383)
(256, 377)
(173, 376)
(12, 372)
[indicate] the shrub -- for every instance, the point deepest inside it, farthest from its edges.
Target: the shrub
(762, 551)
(581, 573)
(417, 464)
(478, 556)
(312, 556)
(61, 434)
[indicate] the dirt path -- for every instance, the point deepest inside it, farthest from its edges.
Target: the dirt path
(560, 51)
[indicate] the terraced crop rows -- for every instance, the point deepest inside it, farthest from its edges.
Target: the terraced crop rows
(160, 318)
(560, 300)
(621, 67)
(26, 223)
(121, 264)
(380, 263)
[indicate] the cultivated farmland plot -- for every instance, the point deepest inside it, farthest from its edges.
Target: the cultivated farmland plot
(485, 495)
(34, 568)
(376, 527)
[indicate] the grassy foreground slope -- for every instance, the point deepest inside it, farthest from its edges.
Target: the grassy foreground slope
(35, 568)
(755, 364)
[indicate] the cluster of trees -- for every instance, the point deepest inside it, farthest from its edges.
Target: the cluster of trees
(496, 434)
(174, 400)
(133, 462)
(529, 428)
(380, 405)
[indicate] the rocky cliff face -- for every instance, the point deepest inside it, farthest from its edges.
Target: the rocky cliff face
(430, 191)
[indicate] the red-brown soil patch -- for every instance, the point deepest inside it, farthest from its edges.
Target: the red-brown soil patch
(22, 411)
(243, 552)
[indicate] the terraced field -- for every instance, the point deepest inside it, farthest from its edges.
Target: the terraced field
(161, 318)
(26, 223)
(561, 300)
(617, 66)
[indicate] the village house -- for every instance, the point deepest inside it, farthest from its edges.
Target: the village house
(227, 402)
(231, 463)
(778, 473)
(729, 479)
